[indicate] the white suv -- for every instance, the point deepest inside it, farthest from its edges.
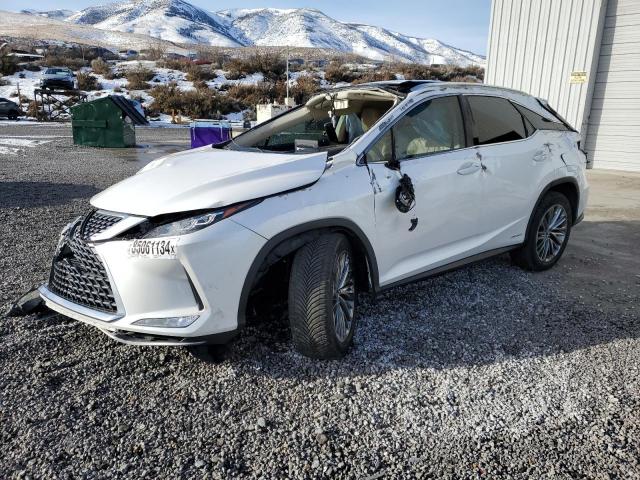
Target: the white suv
(362, 188)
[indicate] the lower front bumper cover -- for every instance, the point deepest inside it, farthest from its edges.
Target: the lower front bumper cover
(135, 338)
(103, 321)
(75, 311)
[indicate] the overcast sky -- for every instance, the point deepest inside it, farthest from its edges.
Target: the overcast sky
(463, 24)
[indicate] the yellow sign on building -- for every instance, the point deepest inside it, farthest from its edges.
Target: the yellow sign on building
(578, 77)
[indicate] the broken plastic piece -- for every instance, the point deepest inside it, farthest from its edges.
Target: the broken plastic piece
(27, 304)
(405, 195)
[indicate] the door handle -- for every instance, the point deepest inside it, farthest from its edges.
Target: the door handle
(540, 156)
(468, 168)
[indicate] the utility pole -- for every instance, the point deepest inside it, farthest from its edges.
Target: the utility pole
(287, 99)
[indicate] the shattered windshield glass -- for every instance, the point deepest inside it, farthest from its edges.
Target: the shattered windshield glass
(329, 124)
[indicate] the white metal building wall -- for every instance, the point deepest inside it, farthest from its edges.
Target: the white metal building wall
(535, 45)
(613, 139)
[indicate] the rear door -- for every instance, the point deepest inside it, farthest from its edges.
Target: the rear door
(429, 142)
(516, 159)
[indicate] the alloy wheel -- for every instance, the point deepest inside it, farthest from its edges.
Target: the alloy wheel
(551, 233)
(343, 297)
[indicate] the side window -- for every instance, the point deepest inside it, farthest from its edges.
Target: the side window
(496, 120)
(538, 121)
(431, 127)
(434, 126)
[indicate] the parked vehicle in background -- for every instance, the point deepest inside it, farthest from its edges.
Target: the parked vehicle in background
(9, 109)
(127, 54)
(58, 77)
(361, 189)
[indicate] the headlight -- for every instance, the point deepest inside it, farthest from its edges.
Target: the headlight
(187, 225)
(191, 224)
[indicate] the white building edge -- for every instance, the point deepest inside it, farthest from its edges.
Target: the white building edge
(583, 56)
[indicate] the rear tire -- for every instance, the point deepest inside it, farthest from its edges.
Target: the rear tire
(548, 234)
(322, 298)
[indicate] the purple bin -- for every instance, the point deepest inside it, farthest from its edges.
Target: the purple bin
(205, 132)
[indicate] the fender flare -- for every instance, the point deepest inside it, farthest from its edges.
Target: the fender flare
(304, 233)
(545, 190)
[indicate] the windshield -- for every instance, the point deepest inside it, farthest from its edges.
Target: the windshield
(328, 122)
(57, 71)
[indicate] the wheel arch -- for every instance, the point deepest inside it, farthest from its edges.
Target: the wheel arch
(568, 186)
(288, 241)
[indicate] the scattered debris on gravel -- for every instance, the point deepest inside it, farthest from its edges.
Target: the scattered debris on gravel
(486, 371)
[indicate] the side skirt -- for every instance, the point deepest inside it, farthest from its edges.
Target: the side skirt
(434, 272)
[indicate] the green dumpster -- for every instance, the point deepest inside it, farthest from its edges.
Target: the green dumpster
(106, 122)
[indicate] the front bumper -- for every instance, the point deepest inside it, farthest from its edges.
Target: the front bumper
(205, 279)
(103, 322)
(67, 84)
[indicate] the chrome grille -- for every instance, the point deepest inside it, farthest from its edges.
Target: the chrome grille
(78, 275)
(97, 222)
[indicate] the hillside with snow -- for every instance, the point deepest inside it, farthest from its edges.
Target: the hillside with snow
(179, 21)
(39, 27)
(172, 20)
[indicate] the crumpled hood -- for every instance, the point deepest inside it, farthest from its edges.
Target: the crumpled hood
(208, 177)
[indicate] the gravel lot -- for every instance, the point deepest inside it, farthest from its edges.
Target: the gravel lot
(487, 371)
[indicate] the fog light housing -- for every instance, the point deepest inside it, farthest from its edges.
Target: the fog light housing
(167, 322)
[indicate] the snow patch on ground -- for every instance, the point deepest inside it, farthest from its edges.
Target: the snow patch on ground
(27, 85)
(22, 142)
(221, 80)
(13, 146)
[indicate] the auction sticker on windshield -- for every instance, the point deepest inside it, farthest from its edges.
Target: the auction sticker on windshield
(158, 248)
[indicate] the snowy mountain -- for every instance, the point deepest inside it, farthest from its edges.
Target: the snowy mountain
(179, 21)
(172, 20)
(305, 27)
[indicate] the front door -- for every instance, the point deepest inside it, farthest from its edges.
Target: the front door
(428, 145)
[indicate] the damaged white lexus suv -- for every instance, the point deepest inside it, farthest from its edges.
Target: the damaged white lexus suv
(360, 189)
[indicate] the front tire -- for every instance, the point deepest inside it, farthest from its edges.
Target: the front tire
(548, 234)
(322, 298)
(13, 115)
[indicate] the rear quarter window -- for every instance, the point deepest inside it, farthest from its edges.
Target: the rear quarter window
(495, 120)
(538, 121)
